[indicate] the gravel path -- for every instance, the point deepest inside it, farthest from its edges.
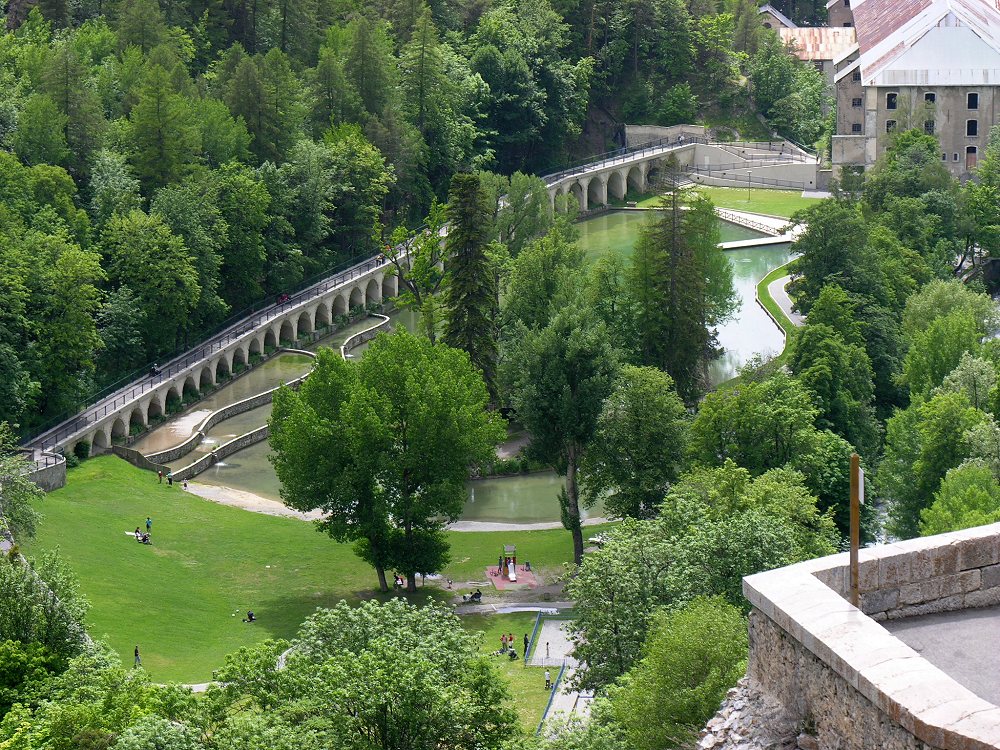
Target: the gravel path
(257, 504)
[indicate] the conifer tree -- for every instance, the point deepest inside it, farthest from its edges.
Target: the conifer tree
(471, 295)
(682, 288)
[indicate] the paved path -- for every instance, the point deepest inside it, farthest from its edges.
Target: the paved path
(962, 644)
(779, 294)
(552, 649)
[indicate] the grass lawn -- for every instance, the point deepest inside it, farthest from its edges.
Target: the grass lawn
(182, 598)
(764, 295)
(771, 202)
(527, 684)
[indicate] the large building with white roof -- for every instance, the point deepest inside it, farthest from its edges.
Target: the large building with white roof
(930, 64)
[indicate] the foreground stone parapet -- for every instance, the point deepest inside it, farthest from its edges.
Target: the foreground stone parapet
(837, 672)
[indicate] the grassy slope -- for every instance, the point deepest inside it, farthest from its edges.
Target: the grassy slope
(177, 598)
(771, 202)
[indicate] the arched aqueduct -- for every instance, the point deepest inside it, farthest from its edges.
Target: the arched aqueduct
(283, 329)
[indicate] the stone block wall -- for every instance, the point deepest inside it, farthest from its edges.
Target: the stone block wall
(920, 577)
(844, 678)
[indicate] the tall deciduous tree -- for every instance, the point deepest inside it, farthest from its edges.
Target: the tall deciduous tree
(921, 444)
(560, 376)
(639, 446)
(396, 434)
(146, 257)
(471, 292)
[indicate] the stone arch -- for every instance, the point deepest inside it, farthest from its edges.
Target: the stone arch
(154, 410)
(339, 305)
(190, 388)
(172, 401)
(617, 186)
(305, 323)
(137, 419)
(270, 339)
(99, 441)
(222, 369)
(373, 291)
(119, 430)
(597, 191)
(322, 316)
(390, 286)
(287, 331)
(239, 360)
(206, 379)
(357, 298)
(636, 180)
(576, 190)
(256, 346)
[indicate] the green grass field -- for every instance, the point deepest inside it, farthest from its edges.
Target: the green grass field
(527, 684)
(182, 598)
(771, 202)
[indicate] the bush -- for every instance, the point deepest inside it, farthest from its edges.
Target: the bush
(82, 450)
(694, 654)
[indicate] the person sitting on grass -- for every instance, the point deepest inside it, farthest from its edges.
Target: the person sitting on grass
(250, 617)
(138, 534)
(144, 539)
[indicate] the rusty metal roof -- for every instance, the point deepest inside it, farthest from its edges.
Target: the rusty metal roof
(819, 42)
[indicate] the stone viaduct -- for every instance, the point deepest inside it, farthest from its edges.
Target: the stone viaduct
(110, 419)
(631, 171)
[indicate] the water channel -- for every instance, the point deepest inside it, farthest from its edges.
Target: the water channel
(527, 498)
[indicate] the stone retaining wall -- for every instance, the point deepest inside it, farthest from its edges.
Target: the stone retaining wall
(226, 449)
(178, 451)
(843, 677)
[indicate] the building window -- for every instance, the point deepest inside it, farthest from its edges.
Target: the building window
(972, 128)
(930, 97)
(856, 101)
(856, 127)
(944, 157)
(929, 127)
(890, 100)
(954, 157)
(847, 24)
(971, 157)
(972, 101)
(847, 3)
(857, 76)
(890, 125)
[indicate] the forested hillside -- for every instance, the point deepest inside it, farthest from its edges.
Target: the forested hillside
(163, 165)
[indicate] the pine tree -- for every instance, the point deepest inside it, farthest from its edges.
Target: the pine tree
(471, 293)
(166, 136)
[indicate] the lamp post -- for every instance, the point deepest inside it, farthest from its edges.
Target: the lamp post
(748, 186)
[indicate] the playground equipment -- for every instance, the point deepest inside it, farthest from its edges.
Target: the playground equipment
(507, 564)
